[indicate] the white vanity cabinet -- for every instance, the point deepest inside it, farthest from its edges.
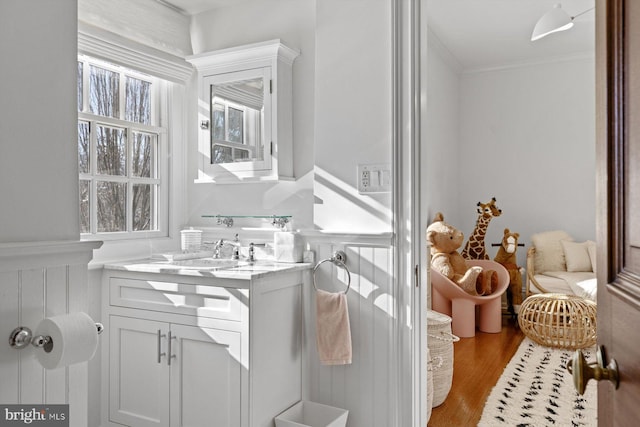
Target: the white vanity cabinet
(153, 382)
(245, 113)
(217, 348)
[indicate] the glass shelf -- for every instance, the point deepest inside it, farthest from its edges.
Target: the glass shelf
(227, 220)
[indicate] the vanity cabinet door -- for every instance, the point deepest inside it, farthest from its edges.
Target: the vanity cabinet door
(205, 377)
(138, 372)
(164, 374)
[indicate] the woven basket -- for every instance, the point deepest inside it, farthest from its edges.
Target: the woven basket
(558, 320)
(440, 342)
(429, 385)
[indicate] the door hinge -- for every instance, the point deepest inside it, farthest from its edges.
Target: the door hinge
(271, 148)
(416, 273)
(271, 86)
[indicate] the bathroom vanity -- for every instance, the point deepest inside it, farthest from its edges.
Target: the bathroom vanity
(201, 343)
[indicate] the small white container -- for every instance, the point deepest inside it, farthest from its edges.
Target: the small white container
(190, 240)
(287, 246)
(312, 414)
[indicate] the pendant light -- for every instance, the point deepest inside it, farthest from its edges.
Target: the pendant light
(553, 21)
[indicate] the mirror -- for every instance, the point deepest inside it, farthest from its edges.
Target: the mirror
(237, 116)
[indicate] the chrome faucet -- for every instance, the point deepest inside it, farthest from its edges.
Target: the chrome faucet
(251, 252)
(216, 250)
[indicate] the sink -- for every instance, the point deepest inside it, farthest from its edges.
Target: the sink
(212, 264)
(257, 266)
(202, 263)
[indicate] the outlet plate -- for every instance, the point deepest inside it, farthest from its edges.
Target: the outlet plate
(374, 178)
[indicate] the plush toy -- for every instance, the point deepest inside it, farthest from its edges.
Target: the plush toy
(507, 257)
(475, 248)
(445, 241)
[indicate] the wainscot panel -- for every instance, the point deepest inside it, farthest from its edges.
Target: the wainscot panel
(365, 386)
(39, 280)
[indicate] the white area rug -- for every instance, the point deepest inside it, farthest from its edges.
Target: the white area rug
(536, 390)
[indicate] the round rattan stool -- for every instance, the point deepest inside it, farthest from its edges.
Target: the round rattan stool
(558, 320)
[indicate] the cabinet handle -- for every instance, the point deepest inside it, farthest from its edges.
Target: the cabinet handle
(160, 336)
(171, 356)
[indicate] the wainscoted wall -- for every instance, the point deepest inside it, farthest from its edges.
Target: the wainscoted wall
(364, 387)
(39, 280)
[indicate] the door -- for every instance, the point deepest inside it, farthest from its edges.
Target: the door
(139, 373)
(205, 377)
(618, 205)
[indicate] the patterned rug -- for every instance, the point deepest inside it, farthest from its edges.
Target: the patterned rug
(536, 390)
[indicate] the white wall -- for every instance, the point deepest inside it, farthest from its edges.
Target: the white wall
(441, 127)
(353, 112)
(353, 125)
(527, 137)
(293, 22)
(38, 152)
(39, 192)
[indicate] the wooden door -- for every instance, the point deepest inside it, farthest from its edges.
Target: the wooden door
(139, 374)
(618, 205)
(205, 377)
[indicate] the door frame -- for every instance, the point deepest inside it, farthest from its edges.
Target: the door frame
(410, 323)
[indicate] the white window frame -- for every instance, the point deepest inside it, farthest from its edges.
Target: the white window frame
(159, 115)
(176, 74)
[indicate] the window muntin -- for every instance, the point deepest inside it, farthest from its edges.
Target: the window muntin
(119, 152)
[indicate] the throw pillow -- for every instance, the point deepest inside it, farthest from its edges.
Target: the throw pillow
(549, 252)
(576, 255)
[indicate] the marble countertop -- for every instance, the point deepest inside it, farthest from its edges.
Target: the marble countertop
(209, 267)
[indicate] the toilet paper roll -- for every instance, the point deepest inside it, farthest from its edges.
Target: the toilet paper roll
(74, 339)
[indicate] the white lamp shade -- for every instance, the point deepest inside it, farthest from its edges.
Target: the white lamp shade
(554, 20)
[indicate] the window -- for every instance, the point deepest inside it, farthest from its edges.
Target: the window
(120, 151)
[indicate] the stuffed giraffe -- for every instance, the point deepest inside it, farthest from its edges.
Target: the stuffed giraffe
(475, 248)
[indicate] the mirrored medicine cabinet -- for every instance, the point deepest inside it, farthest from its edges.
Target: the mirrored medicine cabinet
(245, 113)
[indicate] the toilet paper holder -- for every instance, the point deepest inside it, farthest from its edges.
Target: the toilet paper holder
(22, 336)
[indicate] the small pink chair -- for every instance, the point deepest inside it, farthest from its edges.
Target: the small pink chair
(450, 299)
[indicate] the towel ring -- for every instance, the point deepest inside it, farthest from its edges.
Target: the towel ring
(339, 258)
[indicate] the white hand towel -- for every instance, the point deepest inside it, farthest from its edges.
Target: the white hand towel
(333, 332)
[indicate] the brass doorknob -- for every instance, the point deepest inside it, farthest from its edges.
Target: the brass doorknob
(582, 371)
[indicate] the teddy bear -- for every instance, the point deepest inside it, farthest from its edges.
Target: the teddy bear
(445, 240)
(507, 257)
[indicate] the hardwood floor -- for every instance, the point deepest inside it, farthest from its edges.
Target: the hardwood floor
(478, 362)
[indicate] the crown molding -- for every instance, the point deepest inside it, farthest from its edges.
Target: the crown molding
(102, 44)
(579, 56)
